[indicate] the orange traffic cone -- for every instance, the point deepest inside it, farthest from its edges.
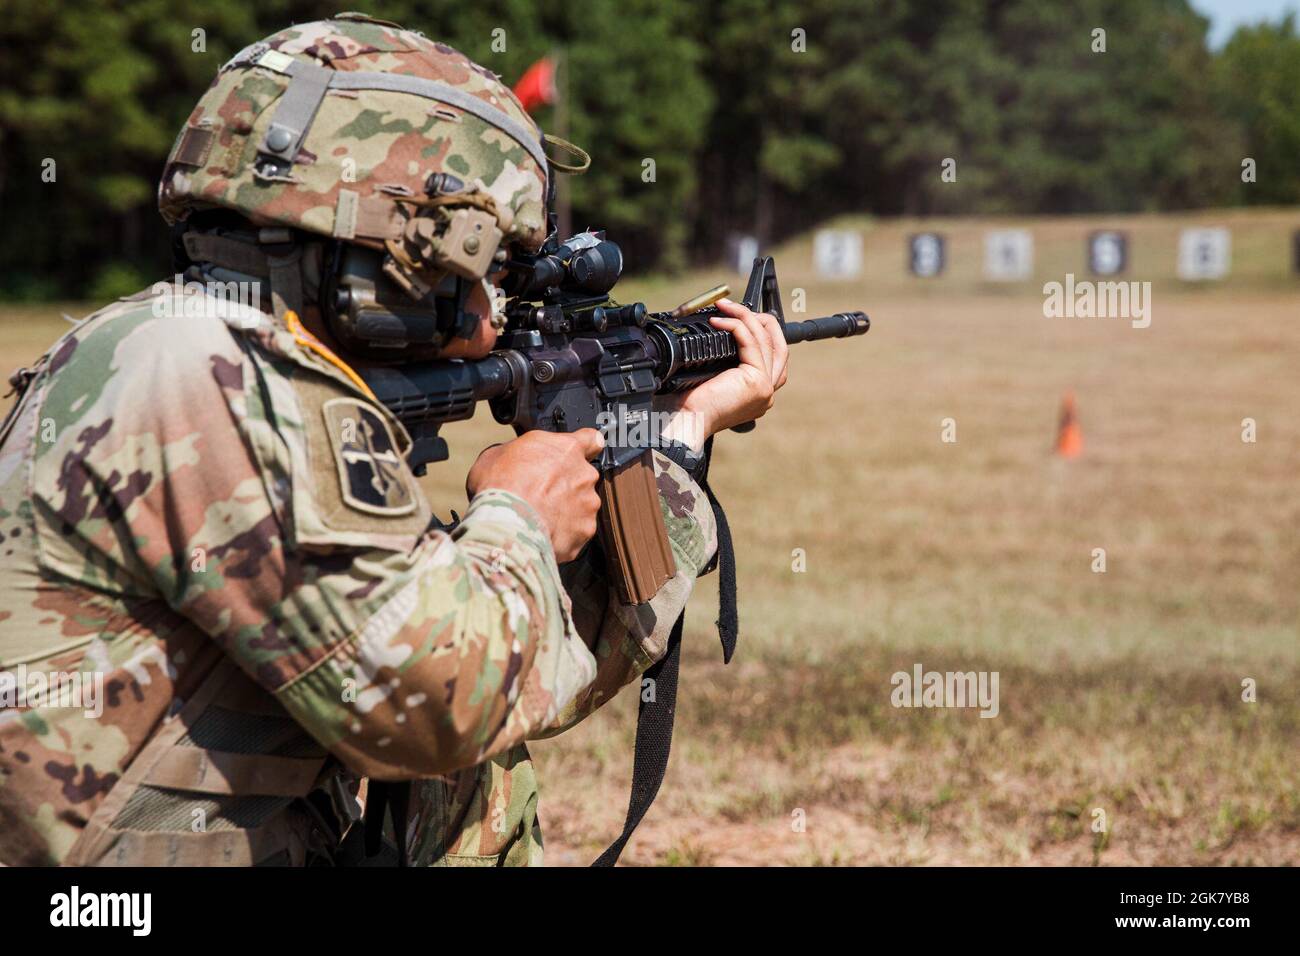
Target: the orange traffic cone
(1069, 437)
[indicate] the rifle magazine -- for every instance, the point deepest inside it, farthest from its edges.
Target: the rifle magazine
(632, 530)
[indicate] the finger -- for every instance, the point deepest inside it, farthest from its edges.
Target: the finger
(732, 308)
(749, 345)
(780, 349)
(764, 340)
(755, 324)
(590, 442)
(483, 460)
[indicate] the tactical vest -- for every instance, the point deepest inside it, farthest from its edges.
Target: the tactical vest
(230, 780)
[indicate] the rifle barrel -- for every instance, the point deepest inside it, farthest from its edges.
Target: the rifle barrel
(837, 326)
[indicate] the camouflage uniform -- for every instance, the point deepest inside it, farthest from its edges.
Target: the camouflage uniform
(170, 500)
(276, 619)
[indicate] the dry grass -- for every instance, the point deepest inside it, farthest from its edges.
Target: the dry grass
(1119, 691)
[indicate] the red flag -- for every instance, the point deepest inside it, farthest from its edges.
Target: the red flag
(537, 86)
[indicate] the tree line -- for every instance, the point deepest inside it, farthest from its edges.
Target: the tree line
(704, 118)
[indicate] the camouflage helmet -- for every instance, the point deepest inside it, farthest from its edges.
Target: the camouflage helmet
(329, 126)
(361, 131)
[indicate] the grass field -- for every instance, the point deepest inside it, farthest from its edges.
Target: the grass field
(1121, 692)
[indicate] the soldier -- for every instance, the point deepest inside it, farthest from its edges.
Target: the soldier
(230, 620)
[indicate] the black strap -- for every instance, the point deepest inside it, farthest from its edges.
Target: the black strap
(725, 561)
(383, 795)
(654, 738)
(654, 721)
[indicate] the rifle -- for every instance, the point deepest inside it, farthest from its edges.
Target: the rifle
(570, 357)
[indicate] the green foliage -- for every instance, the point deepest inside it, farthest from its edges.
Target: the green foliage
(94, 92)
(1259, 80)
(637, 94)
(117, 279)
(1128, 129)
(747, 129)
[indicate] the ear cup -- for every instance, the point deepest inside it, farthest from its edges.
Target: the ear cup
(371, 317)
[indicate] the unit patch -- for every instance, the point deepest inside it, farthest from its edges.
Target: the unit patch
(372, 476)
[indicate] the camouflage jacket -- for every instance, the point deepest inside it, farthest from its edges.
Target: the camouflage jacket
(178, 496)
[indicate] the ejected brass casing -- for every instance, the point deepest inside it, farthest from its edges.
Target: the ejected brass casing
(701, 301)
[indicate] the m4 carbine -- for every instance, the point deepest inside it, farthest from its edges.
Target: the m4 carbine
(571, 358)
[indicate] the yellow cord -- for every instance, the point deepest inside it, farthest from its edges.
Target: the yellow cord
(306, 339)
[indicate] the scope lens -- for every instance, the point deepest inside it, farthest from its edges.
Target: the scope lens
(596, 269)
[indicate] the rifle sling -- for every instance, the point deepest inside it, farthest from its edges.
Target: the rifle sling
(385, 797)
(654, 722)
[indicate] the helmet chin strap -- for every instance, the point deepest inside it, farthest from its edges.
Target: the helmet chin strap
(466, 320)
(286, 282)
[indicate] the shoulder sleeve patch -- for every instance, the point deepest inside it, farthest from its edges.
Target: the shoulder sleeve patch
(360, 491)
(372, 476)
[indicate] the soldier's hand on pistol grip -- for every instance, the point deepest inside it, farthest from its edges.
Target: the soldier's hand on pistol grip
(554, 474)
